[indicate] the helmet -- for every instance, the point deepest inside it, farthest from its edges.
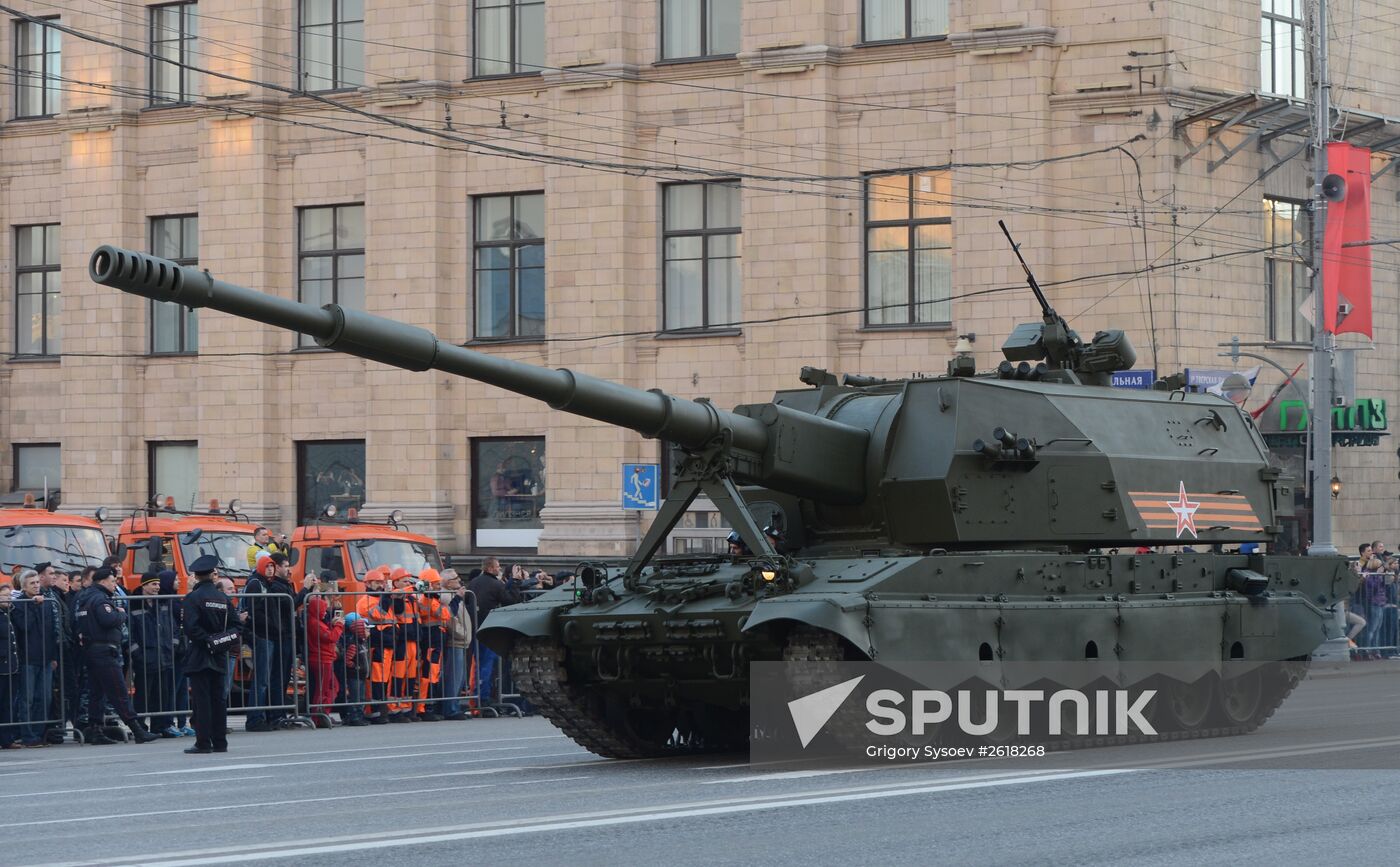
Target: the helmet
(735, 539)
(400, 573)
(430, 576)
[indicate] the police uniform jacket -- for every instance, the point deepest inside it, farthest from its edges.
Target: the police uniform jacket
(100, 619)
(206, 612)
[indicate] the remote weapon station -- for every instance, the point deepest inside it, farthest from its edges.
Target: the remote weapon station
(956, 518)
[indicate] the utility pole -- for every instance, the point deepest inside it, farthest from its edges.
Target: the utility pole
(1320, 485)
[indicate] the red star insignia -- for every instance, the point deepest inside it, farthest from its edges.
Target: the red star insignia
(1185, 511)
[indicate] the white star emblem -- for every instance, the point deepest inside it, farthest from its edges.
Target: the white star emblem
(1185, 511)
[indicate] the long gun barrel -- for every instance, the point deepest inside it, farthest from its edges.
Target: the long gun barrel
(653, 413)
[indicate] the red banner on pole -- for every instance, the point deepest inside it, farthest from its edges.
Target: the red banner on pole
(1346, 271)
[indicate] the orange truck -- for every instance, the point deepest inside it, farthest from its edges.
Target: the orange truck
(349, 548)
(30, 535)
(162, 538)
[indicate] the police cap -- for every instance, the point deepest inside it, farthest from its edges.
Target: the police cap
(204, 565)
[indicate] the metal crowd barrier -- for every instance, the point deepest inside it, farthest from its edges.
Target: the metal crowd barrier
(262, 681)
(398, 670)
(35, 665)
(1380, 637)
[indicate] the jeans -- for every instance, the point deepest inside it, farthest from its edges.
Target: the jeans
(454, 677)
(272, 665)
(485, 674)
(354, 707)
(32, 700)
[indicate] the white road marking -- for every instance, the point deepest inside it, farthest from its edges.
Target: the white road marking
(407, 839)
(383, 758)
(556, 737)
(480, 771)
(139, 786)
(795, 775)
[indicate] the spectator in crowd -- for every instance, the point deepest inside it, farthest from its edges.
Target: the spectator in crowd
(323, 631)
(459, 639)
(405, 668)
(9, 668)
(432, 634)
(226, 587)
(376, 610)
(63, 623)
(66, 685)
(353, 666)
(268, 600)
(168, 587)
(153, 656)
(492, 590)
(263, 543)
(36, 635)
(1372, 591)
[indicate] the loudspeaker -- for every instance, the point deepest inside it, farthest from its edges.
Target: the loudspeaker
(1334, 188)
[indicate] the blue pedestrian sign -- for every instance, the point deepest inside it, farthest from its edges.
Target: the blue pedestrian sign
(641, 484)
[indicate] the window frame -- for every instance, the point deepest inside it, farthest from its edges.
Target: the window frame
(912, 224)
(908, 27)
(705, 53)
(337, 65)
(186, 95)
(16, 448)
(514, 60)
(44, 269)
(152, 446)
(1272, 260)
(335, 254)
(513, 245)
(1296, 25)
(20, 75)
(191, 313)
(301, 446)
(704, 233)
(473, 460)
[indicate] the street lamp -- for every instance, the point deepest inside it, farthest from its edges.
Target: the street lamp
(1336, 487)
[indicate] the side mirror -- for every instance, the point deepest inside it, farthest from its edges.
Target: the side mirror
(154, 549)
(293, 557)
(191, 537)
(117, 549)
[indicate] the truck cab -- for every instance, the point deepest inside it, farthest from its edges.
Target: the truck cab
(30, 535)
(348, 548)
(163, 538)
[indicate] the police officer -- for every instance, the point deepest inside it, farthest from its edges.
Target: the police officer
(100, 621)
(208, 613)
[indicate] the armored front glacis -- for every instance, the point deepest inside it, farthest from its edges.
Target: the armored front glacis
(956, 518)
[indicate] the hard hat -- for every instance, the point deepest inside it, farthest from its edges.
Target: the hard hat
(430, 575)
(400, 573)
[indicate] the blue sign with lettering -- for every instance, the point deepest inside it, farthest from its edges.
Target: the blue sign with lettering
(641, 486)
(1134, 378)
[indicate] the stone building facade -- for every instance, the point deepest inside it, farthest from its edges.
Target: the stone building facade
(697, 195)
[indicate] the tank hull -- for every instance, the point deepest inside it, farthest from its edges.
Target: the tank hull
(676, 652)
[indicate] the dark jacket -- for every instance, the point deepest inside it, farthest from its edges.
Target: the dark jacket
(153, 634)
(269, 616)
(63, 614)
(100, 619)
(9, 653)
(36, 630)
(491, 593)
(206, 612)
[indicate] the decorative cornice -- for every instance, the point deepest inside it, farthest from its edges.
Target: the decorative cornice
(596, 74)
(1010, 37)
(792, 56)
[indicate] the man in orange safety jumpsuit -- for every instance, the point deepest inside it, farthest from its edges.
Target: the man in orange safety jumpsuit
(376, 608)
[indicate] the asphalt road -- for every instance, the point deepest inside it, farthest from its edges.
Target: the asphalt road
(1305, 789)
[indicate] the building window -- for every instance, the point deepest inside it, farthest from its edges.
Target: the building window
(894, 20)
(38, 72)
(331, 266)
(174, 29)
(332, 44)
(908, 249)
(329, 473)
(507, 491)
(38, 467)
(702, 244)
(509, 37)
(510, 265)
(37, 285)
(173, 471)
(1282, 52)
(1286, 280)
(175, 328)
(699, 28)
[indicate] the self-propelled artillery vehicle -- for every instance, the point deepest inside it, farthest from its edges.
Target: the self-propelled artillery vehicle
(963, 517)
